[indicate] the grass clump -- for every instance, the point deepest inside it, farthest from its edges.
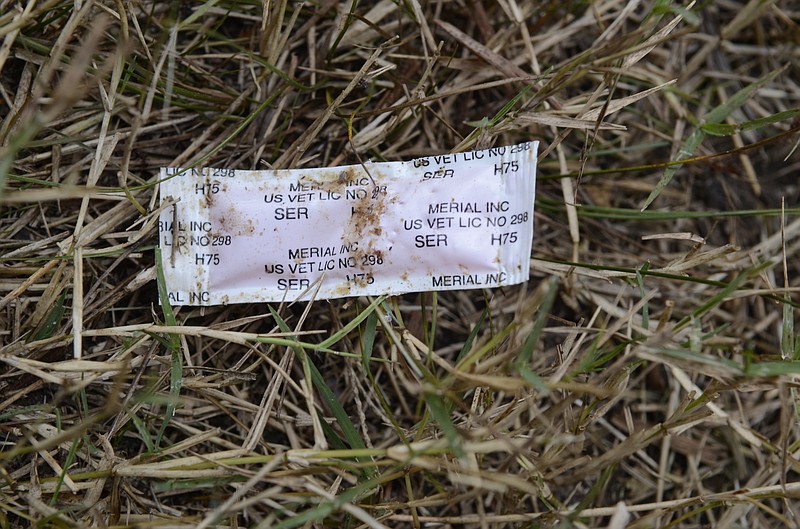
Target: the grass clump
(646, 376)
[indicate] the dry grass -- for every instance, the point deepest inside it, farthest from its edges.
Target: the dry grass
(646, 376)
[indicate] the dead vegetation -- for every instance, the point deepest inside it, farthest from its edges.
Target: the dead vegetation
(646, 376)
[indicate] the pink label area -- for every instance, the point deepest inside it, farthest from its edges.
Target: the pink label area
(454, 221)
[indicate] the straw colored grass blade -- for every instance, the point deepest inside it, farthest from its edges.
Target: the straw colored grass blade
(645, 376)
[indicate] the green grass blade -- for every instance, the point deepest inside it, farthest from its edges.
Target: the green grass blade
(345, 26)
(687, 149)
(166, 308)
(176, 359)
(526, 352)
(534, 380)
(430, 330)
(738, 99)
(370, 329)
(472, 335)
(355, 322)
(643, 293)
(144, 434)
(484, 123)
(773, 369)
(73, 449)
(476, 355)
(54, 317)
(441, 414)
(694, 140)
(327, 507)
(722, 296)
(343, 420)
(609, 213)
(328, 398)
(724, 129)
(330, 435)
(197, 14)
